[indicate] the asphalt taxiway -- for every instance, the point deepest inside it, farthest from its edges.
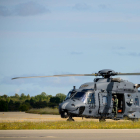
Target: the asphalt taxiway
(70, 134)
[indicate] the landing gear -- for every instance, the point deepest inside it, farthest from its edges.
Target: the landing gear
(116, 119)
(64, 114)
(102, 119)
(135, 120)
(70, 118)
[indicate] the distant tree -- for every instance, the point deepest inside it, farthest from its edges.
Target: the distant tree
(43, 94)
(41, 97)
(11, 105)
(23, 102)
(17, 105)
(16, 95)
(8, 99)
(48, 98)
(28, 97)
(22, 96)
(24, 107)
(5, 96)
(27, 101)
(40, 104)
(61, 96)
(32, 101)
(3, 105)
(55, 100)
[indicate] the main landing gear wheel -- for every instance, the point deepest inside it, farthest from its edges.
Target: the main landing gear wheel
(70, 118)
(102, 120)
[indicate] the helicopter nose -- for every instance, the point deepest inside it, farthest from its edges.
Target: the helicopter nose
(62, 110)
(67, 106)
(71, 106)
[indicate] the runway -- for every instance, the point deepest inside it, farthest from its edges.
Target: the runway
(61, 134)
(69, 134)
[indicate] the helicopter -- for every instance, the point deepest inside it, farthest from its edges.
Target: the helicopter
(95, 99)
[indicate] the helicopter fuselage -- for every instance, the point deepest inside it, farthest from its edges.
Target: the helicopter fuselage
(95, 99)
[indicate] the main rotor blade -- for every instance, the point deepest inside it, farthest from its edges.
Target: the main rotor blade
(65, 75)
(128, 74)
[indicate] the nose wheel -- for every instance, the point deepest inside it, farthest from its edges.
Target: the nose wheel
(70, 118)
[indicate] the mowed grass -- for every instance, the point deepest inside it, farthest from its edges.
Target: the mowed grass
(47, 110)
(69, 125)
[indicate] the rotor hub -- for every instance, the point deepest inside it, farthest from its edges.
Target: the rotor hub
(106, 73)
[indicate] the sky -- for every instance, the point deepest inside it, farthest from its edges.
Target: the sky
(49, 37)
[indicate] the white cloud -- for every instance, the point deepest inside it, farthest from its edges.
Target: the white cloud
(81, 6)
(133, 54)
(24, 9)
(29, 9)
(118, 48)
(4, 11)
(76, 53)
(102, 6)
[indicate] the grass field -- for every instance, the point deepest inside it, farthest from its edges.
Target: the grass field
(70, 125)
(47, 110)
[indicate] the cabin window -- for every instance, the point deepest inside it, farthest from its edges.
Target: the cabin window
(137, 101)
(104, 100)
(91, 99)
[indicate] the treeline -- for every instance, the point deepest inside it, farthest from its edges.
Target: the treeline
(24, 103)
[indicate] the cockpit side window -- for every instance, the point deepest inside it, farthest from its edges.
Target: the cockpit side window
(137, 101)
(91, 99)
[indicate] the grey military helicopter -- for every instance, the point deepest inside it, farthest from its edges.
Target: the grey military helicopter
(95, 99)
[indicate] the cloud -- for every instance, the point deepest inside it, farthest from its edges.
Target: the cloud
(4, 11)
(81, 6)
(29, 9)
(24, 9)
(121, 51)
(76, 53)
(134, 54)
(102, 6)
(118, 48)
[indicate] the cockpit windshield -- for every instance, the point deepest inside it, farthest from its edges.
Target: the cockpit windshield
(70, 94)
(80, 96)
(85, 97)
